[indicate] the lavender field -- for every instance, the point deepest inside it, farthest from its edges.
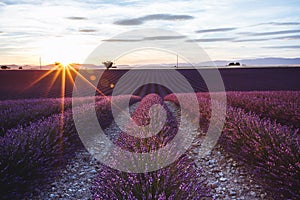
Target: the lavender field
(149, 100)
(261, 133)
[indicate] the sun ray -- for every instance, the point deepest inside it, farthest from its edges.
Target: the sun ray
(70, 76)
(40, 78)
(87, 81)
(63, 87)
(98, 90)
(52, 81)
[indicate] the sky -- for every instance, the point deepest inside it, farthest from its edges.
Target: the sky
(67, 31)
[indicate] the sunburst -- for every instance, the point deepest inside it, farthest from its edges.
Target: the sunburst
(65, 71)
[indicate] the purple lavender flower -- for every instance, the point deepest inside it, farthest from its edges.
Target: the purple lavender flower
(180, 180)
(270, 149)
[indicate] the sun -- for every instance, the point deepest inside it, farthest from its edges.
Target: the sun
(60, 65)
(61, 49)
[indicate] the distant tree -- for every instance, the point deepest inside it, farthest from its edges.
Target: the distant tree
(20, 67)
(108, 64)
(4, 67)
(234, 64)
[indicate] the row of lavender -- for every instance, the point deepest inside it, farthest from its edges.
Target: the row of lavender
(38, 144)
(22, 112)
(30, 154)
(180, 180)
(281, 106)
(15, 112)
(34, 152)
(35, 149)
(270, 149)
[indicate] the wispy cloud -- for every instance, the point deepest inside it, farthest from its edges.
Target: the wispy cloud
(8, 2)
(215, 30)
(279, 24)
(166, 17)
(284, 47)
(141, 20)
(271, 33)
(45, 27)
(212, 40)
(252, 40)
(122, 40)
(87, 30)
(129, 22)
(290, 37)
(76, 18)
(164, 37)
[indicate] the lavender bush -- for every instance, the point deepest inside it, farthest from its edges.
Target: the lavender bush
(21, 112)
(282, 106)
(32, 154)
(204, 101)
(29, 154)
(271, 150)
(142, 118)
(180, 180)
(103, 108)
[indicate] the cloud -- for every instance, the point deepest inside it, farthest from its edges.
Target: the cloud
(13, 2)
(271, 33)
(141, 20)
(129, 22)
(164, 38)
(76, 18)
(166, 17)
(87, 30)
(146, 39)
(43, 21)
(122, 40)
(291, 37)
(252, 40)
(211, 40)
(279, 23)
(8, 2)
(284, 47)
(215, 30)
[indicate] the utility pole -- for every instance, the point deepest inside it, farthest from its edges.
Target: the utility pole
(40, 62)
(177, 61)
